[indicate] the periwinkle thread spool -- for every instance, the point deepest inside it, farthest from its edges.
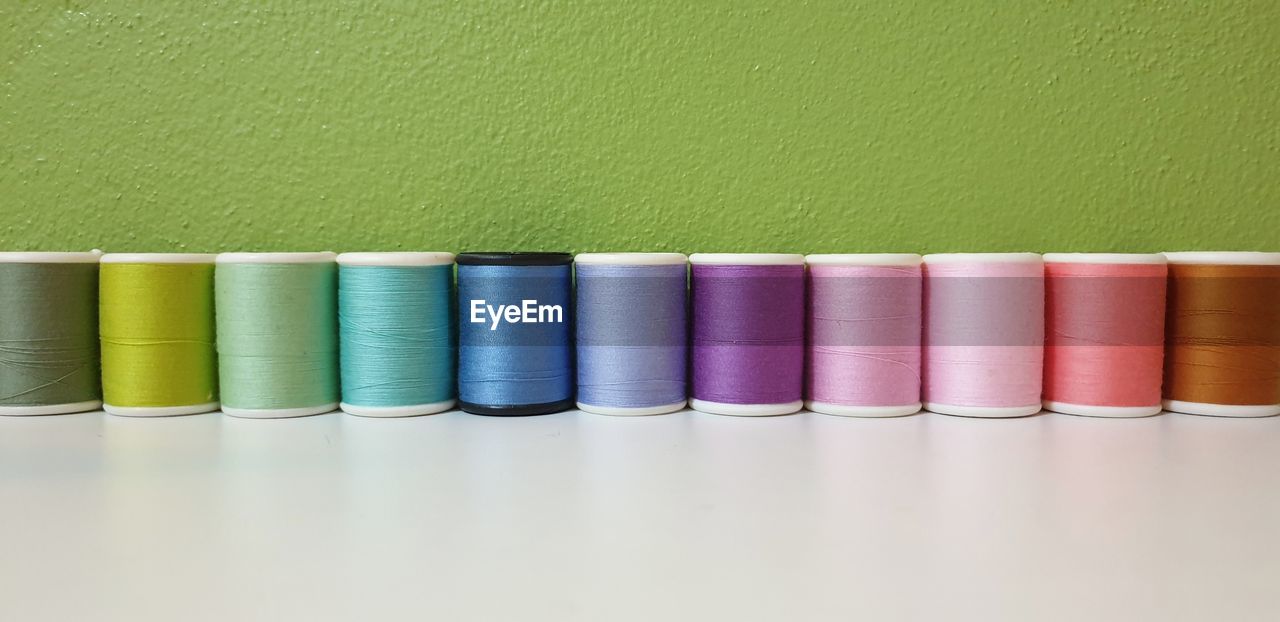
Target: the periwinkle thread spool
(1104, 333)
(1222, 326)
(747, 333)
(983, 334)
(863, 354)
(632, 332)
(514, 352)
(157, 326)
(277, 334)
(49, 333)
(395, 325)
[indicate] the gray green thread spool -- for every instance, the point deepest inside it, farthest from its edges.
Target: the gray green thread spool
(49, 333)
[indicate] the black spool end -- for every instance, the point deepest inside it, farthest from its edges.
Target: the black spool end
(523, 410)
(514, 259)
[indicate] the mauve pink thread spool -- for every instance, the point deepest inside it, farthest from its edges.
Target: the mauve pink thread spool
(983, 334)
(1104, 333)
(863, 351)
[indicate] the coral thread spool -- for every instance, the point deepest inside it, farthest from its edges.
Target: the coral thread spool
(157, 324)
(277, 334)
(747, 333)
(1104, 333)
(49, 333)
(397, 345)
(863, 354)
(1222, 353)
(983, 334)
(515, 354)
(632, 332)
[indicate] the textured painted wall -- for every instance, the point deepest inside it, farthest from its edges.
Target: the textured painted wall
(628, 125)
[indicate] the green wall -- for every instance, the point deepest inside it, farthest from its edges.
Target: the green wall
(816, 126)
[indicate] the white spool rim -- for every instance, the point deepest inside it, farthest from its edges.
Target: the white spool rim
(1115, 412)
(746, 410)
(1106, 258)
(413, 410)
(50, 409)
(160, 411)
(285, 258)
(746, 259)
(279, 413)
(1224, 258)
(631, 259)
(408, 259)
(642, 411)
(51, 257)
(982, 412)
(845, 410)
(865, 259)
(1221, 410)
(158, 258)
(945, 258)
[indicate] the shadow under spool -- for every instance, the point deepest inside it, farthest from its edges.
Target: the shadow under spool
(1222, 352)
(514, 368)
(49, 333)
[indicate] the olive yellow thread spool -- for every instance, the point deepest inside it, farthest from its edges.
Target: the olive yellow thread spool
(49, 333)
(156, 318)
(277, 317)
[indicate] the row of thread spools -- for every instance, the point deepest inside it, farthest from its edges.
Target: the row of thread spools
(382, 334)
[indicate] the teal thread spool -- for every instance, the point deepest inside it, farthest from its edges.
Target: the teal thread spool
(395, 325)
(277, 333)
(49, 333)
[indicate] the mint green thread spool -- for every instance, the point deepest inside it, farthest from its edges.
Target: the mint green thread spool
(277, 334)
(49, 333)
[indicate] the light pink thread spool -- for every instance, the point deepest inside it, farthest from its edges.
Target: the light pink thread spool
(863, 354)
(983, 334)
(1104, 333)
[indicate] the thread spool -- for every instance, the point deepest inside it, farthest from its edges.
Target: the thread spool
(395, 327)
(747, 333)
(1104, 333)
(517, 358)
(1222, 355)
(983, 334)
(158, 353)
(277, 334)
(49, 333)
(631, 332)
(864, 323)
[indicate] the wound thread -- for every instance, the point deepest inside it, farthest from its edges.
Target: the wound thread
(277, 334)
(631, 332)
(983, 334)
(864, 318)
(157, 325)
(395, 323)
(1222, 353)
(1104, 333)
(49, 333)
(747, 333)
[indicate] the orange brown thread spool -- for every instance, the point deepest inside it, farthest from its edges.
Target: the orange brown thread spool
(1222, 352)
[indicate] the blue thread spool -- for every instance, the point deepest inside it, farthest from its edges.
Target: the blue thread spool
(395, 328)
(514, 351)
(632, 332)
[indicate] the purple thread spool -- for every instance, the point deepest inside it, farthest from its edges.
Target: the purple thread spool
(747, 333)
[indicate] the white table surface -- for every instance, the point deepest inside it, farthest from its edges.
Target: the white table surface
(678, 517)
